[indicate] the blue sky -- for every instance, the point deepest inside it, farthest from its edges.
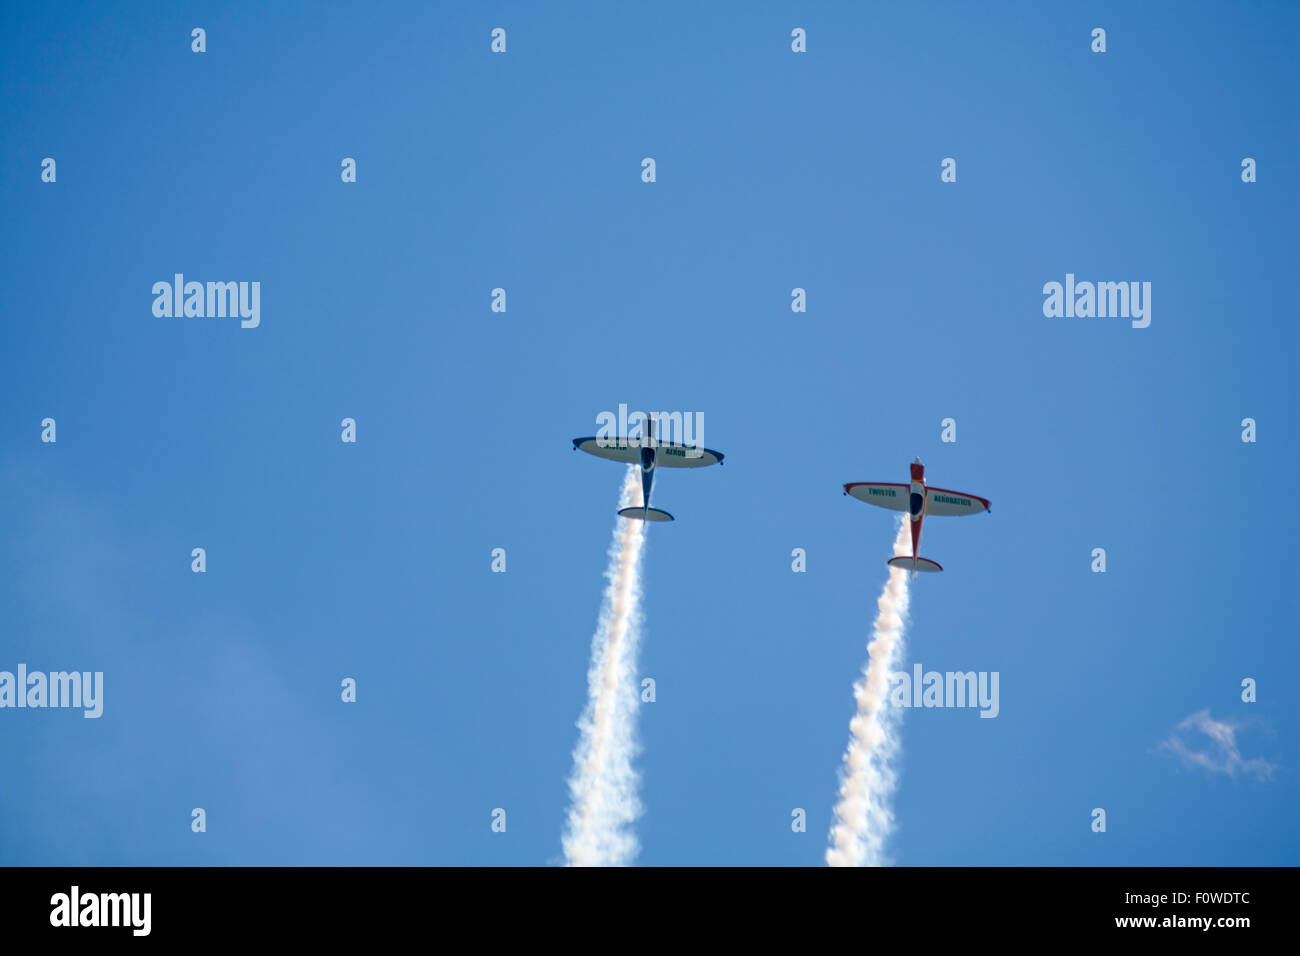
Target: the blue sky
(775, 170)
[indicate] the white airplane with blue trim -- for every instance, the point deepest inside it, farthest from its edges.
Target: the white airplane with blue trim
(918, 500)
(651, 453)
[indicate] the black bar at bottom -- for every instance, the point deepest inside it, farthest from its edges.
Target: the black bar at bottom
(337, 906)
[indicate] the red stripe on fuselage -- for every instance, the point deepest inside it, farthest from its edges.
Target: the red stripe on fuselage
(918, 477)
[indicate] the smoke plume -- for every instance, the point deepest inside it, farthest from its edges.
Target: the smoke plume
(863, 817)
(603, 787)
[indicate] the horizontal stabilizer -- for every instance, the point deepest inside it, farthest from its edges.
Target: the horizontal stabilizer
(914, 564)
(646, 514)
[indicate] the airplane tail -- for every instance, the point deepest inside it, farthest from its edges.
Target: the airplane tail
(914, 564)
(646, 514)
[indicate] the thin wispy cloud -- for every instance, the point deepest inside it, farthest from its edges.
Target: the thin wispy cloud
(1201, 741)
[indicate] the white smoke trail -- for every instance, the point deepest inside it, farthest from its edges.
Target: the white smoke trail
(603, 787)
(863, 817)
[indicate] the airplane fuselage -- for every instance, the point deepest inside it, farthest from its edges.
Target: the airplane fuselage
(647, 476)
(916, 505)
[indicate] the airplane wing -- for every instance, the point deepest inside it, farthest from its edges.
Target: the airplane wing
(941, 502)
(685, 456)
(615, 449)
(884, 494)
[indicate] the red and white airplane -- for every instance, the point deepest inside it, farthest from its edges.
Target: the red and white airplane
(919, 501)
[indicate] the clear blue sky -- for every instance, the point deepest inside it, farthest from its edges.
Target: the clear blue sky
(522, 171)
